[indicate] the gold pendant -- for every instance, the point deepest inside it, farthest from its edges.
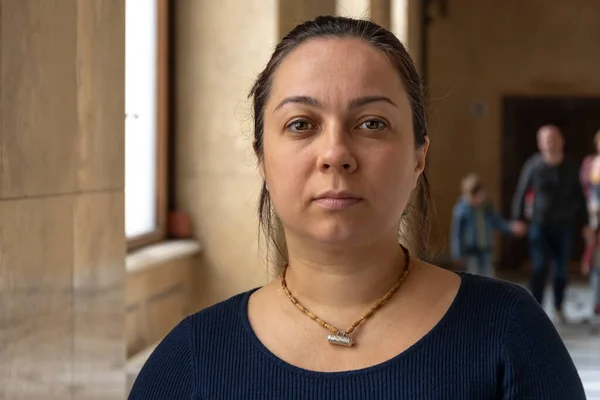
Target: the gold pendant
(340, 340)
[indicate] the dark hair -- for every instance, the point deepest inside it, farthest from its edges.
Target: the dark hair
(418, 212)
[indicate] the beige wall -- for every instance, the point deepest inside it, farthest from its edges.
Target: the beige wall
(401, 17)
(158, 298)
(381, 12)
(353, 8)
(217, 178)
(484, 50)
(294, 12)
(61, 200)
(377, 10)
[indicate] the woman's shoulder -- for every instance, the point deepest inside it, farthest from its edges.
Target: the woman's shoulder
(534, 357)
(480, 300)
(172, 369)
(225, 312)
(491, 288)
(496, 295)
(478, 290)
(507, 306)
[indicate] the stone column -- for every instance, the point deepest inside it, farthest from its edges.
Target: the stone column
(405, 22)
(62, 244)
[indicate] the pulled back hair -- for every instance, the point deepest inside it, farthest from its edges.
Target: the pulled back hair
(415, 227)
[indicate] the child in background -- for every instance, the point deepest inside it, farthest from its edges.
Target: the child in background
(473, 221)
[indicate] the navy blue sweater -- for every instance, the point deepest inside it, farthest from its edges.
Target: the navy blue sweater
(494, 342)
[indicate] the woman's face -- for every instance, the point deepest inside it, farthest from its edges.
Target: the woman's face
(339, 152)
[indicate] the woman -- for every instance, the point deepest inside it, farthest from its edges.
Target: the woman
(341, 140)
(590, 181)
(589, 175)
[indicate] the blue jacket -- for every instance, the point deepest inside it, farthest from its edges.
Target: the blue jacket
(464, 228)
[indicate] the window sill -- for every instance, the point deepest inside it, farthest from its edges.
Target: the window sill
(160, 253)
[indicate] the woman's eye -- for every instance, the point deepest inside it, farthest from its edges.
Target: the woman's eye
(372, 125)
(299, 126)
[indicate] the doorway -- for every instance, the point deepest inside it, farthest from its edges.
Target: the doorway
(579, 120)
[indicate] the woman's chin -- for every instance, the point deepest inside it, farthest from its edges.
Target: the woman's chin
(340, 235)
(337, 232)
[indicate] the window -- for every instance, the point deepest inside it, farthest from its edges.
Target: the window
(145, 121)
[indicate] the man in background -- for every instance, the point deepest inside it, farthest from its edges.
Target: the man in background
(558, 206)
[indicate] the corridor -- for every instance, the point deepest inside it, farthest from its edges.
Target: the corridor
(132, 162)
(582, 338)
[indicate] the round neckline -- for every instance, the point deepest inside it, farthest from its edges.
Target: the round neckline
(454, 306)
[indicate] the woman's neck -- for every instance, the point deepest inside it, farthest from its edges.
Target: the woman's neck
(349, 277)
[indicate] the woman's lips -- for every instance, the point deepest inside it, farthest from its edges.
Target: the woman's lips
(337, 204)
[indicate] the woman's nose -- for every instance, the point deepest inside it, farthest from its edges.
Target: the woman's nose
(335, 151)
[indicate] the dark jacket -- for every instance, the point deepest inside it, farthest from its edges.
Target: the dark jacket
(558, 196)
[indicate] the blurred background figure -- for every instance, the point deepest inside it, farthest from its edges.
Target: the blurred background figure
(590, 266)
(590, 181)
(473, 220)
(558, 203)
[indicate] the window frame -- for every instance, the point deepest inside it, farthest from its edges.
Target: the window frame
(162, 126)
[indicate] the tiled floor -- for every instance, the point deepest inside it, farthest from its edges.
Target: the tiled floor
(581, 336)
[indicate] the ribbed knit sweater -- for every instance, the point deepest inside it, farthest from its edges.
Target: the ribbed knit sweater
(494, 342)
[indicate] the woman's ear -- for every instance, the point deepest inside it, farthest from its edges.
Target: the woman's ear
(261, 169)
(422, 155)
(420, 164)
